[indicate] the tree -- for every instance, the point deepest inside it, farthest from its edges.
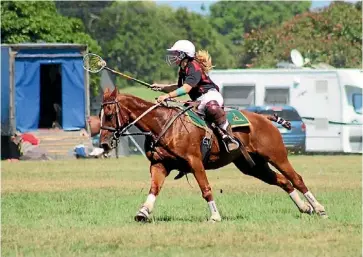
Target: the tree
(333, 36)
(233, 19)
(33, 22)
(87, 11)
(198, 29)
(135, 35)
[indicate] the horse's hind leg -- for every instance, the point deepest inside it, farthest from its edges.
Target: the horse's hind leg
(263, 172)
(285, 167)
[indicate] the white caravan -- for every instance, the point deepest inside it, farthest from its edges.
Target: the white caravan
(330, 101)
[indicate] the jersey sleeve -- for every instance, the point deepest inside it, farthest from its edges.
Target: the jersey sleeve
(193, 76)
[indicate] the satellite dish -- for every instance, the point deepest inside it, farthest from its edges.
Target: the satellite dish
(297, 58)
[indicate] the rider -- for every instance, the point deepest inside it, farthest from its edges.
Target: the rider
(194, 80)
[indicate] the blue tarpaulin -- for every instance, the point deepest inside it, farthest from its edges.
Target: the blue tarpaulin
(27, 94)
(73, 94)
(27, 88)
(21, 82)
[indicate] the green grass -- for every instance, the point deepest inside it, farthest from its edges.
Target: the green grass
(86, 208)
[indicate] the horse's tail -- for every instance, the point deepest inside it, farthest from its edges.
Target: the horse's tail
(275, 118)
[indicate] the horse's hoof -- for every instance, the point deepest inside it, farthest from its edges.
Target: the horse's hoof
(309, 209)
(323, 214)
(142, 215)
(215, 219)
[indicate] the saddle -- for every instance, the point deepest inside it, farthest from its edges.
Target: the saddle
(206, 143)
(190, 109)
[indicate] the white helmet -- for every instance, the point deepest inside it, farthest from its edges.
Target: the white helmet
(179, 51)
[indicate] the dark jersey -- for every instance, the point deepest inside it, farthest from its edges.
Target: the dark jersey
(194, 76)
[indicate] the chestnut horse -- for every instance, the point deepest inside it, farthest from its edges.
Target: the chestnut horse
(178, 147)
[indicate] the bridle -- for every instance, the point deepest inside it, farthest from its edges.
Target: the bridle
(116, 131)
(120, 131)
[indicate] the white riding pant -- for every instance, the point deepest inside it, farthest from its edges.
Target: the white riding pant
(211, 95)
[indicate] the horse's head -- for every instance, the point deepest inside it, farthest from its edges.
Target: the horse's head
(114, 117)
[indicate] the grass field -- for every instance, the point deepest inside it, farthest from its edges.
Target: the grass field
(86, 208)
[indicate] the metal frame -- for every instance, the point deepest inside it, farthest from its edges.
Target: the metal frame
(45, 46)
(12, 91)
(13, 51)
(87, 93)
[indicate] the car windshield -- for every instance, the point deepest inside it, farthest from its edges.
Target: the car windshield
(285, 114)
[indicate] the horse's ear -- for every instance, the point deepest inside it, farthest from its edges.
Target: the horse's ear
(114, 92)
(106, 92)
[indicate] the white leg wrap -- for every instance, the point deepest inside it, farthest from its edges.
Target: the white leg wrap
(150, 200)
(215, 216)
(309, 196)
(212, 207)
(225, 125)
(297, 200)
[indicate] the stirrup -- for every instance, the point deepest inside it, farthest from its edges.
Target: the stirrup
(231, 140)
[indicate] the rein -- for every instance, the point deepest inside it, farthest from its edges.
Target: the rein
(118, 132)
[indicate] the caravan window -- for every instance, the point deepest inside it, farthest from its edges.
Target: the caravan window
(240, 95)
(354, 97)
(277, 96)
(357, 103)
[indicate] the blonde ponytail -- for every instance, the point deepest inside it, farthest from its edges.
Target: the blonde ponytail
(205, 60)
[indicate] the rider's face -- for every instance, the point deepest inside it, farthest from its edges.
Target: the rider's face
(183, 63)
(174, 58)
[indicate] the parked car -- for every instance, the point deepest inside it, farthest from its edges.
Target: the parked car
(294, 139)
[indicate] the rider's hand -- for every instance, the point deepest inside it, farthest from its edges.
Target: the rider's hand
(156, 87)
(163, 98)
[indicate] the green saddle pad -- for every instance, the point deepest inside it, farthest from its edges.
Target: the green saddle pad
(235, 118)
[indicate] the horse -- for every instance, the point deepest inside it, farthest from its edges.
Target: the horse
(173, 143)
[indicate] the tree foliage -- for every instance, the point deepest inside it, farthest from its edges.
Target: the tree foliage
(233, 19)
(135, 35)
(87, 11)
(333, 36)
(34, 22)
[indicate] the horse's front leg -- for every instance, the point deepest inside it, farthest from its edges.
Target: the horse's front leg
(202, 180)
(158, 174)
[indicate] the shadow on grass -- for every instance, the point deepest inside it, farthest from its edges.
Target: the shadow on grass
(191, 218)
